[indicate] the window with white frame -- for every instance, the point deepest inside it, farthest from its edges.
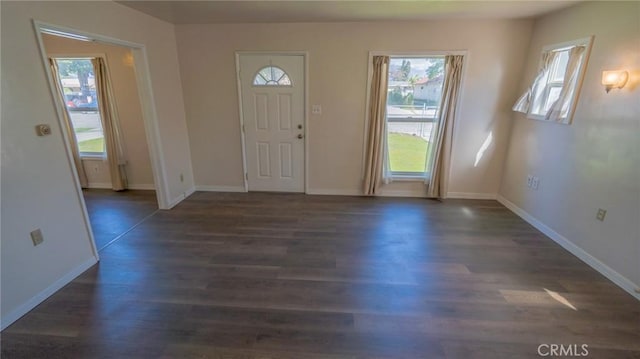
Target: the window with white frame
(76, 75)
(550, 91)
(554, 92)
(413, 99)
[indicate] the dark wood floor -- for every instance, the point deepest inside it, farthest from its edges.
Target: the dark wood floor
(292, 276)
(114, 213)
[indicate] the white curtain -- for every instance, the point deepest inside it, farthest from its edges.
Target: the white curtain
(110, 126)
(560, 109)
(68, 125)
(537, 87)
(440, 147)
(377, 126)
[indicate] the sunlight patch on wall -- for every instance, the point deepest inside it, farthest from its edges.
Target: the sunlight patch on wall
(485, 145)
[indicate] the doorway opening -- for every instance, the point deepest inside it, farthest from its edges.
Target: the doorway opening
(105, 121)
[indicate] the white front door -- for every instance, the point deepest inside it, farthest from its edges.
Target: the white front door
(272, 96)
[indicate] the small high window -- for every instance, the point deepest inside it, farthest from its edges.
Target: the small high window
(553, 95)
(271, 76)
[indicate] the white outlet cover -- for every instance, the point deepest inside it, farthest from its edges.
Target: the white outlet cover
(535, 182)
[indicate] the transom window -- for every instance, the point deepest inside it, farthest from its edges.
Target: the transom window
(271, 76)
(413, 100)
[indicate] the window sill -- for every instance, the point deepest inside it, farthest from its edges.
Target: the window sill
(542, 118)
(92, 157)
(407, 179)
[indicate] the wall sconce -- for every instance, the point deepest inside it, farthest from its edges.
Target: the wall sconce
(614, 79)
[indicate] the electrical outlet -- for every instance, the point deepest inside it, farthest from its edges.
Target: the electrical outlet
(601, 214)
(181, 177)
(529, 181)
(535, 182)
(36, 237)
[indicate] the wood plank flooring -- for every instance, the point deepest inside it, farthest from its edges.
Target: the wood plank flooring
(113, 213)
(292, 276)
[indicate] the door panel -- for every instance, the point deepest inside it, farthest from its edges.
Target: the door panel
(261, 111)
(284, 111)
(264, 160)
(286, 165)
(273, 121)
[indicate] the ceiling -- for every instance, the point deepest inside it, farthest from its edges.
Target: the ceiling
(240, 11)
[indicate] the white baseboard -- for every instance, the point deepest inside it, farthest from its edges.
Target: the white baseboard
(40, 297)
(402, 193)
(220, 188)
(180, 198)
(148, 186)
(617, 278)
(334, 192)
(101, 185)
(471, 195)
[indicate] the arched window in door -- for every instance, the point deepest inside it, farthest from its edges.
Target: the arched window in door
(271, 76)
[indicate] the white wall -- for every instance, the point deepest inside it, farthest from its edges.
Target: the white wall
(37, 185)
(595, 162)
(123, 80)
(338, 54)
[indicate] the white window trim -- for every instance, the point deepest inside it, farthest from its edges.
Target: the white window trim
(93, 155)
(84, 56)
(400, 177)
(588, 43)
(417, 54)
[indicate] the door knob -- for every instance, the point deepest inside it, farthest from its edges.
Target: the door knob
(300, 136)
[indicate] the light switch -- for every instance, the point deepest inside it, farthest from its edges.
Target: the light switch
(316, 109)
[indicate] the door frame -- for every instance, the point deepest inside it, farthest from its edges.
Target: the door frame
(305, 57)
(149, 115)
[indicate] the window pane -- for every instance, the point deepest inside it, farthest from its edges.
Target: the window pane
(276, 73)
(538, 96)
(560, 67)
(266, 73)
(88, 130)
(284, 80)
(78, 83)
(554, 94)
(413, 97)
(259, 80)
(271, 76)
(408, 143)
(414, 112)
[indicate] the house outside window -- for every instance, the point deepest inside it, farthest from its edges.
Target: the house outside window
(413, 100)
